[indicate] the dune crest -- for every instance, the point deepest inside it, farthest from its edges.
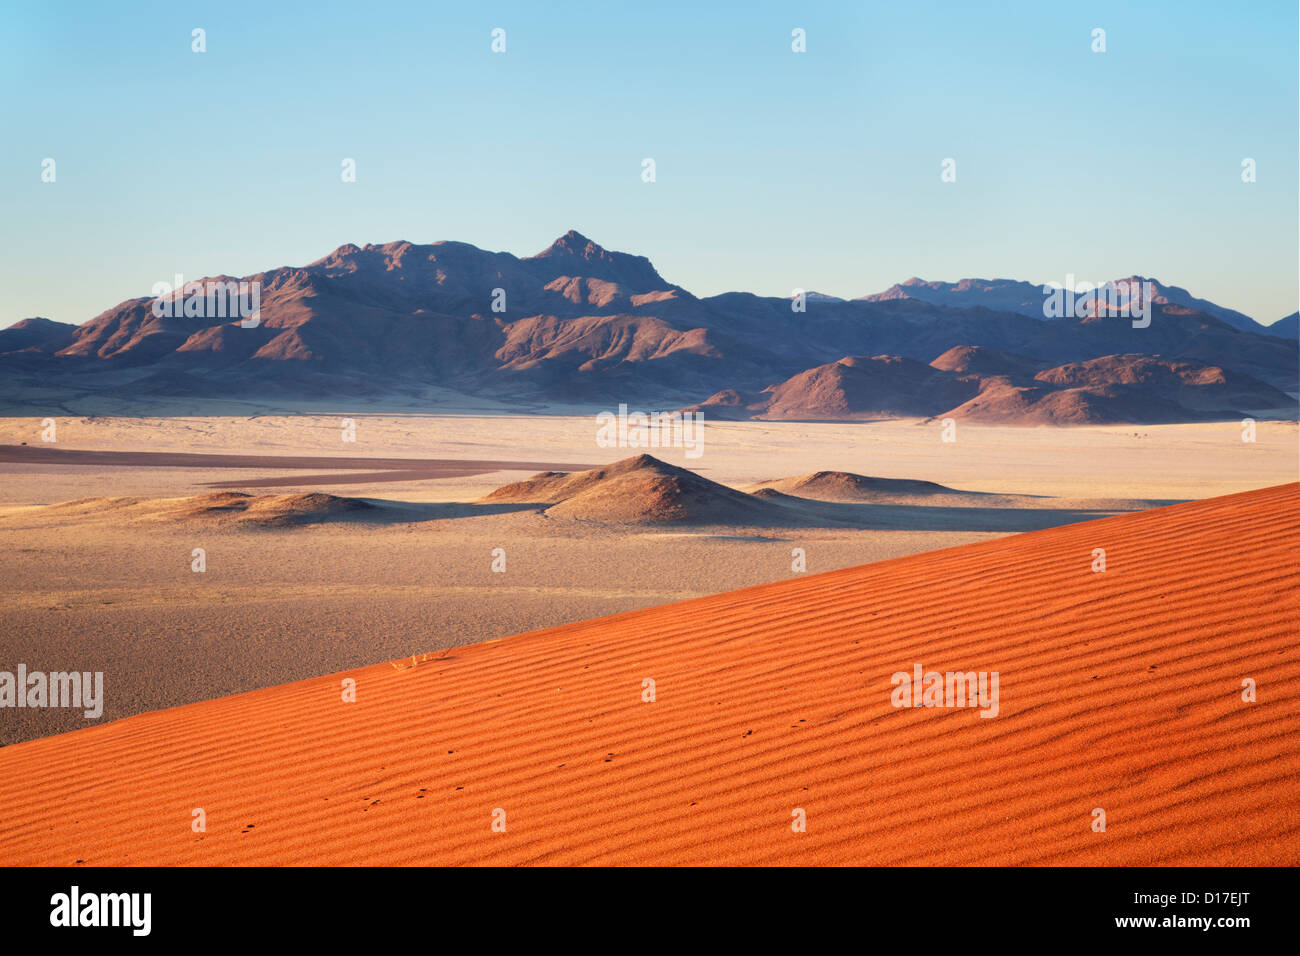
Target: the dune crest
(221, 506)
(846, 486)
(640, 490)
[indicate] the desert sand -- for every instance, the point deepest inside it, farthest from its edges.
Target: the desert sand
(107, 584)
(298, 584)
(1120, 690)
(1179, 462)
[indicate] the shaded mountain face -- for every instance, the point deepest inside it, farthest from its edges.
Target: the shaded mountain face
(883, 386)
(1288, 328)
(581, 324)
(43, 335)
(987, 362)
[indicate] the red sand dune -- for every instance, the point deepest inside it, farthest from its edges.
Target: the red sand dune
(1119, 690)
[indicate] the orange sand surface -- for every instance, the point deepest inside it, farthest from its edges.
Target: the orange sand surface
(1119, 690)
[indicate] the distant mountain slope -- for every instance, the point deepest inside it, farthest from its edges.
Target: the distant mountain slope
(1002, 295)
(1026, 298)
(1194, 386)
(1005, 390)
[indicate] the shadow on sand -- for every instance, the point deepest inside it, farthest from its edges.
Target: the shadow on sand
(896, 517)
(797, 513)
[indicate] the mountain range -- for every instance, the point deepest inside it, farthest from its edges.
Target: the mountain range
(581, 325)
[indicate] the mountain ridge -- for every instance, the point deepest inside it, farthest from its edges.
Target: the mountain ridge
(578, 323)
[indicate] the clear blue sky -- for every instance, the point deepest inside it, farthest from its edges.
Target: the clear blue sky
(775, 170)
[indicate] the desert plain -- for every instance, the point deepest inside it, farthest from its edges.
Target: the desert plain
(97, 571)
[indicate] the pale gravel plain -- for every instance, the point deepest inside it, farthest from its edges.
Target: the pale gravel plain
(103, 592)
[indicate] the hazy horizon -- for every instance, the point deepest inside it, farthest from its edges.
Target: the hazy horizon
(668, 278)
(775, 170)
